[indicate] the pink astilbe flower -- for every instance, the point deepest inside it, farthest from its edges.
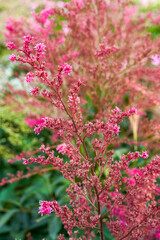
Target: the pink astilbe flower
(106, 52)
(42, 148)
(27, 41)
(67, 69)
(133, 111)
(25, 161)
(33, 121)
(30, 77)
(11, 45)
(45, 13)
(62, 148)
(155, 59)
(116, 129)
(45, 207)
(144, 155)
(40, 47)
(34, 91)
(133, 171)
(79, 3)
(13, 58)
(104, 187)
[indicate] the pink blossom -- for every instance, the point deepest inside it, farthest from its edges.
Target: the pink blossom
(133, 111)
(45, 207)
(79, 3)
(11, 45)
(129, 11)
(60, 4)
(117, 211)
(45, 14)
(106, 51)
(34, 91)
(116, 110)
(144, 155)
(66, 30)
(33, 121)
(13, 58)
(40, 47)
(30, 77)
(155, 59)
(61, 237)
(67, 68)
(9, 26)
(42, 148)
(25, 161)
(62, 148)
(61, 40)
(130, 210)
(133, 171)
(116, 129)
(27, 39)
(131, 181)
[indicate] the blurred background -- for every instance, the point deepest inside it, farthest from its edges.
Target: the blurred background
(19, 201)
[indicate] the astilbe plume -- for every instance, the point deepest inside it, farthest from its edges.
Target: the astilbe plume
(107, 44)
(102, 191)
(126, 196)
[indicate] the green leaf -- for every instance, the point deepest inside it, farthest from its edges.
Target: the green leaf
(106, 172)
(42, 218)
(7, 216)
(7, 192)
(54, 227)
(4, 229)
(60, 190)
(107, 233)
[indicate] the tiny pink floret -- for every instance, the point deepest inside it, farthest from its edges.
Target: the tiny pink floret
(34, 91)
(40, 47)
(144, 155)
(25, 161)
(67, 69)
(11, 45)
(133, 111)
(12, 58)
(45, 207)
(62, 148)
(116, 129)
(155, 59)
(30, 77)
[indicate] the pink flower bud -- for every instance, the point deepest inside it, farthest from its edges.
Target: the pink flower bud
(133, 111)
(45, 207)
(40, 47)
(12, 58)
(67, 69)
(29, 77)
(11, 45)
(144, 155)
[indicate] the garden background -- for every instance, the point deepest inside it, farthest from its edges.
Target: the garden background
(19, 200)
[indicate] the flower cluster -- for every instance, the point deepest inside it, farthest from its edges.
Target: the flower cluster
(46, 207)
(106, 51)
(103, 190)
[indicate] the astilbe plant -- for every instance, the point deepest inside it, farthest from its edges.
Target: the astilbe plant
(102, 191)
(129, 205)
(110, 50)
